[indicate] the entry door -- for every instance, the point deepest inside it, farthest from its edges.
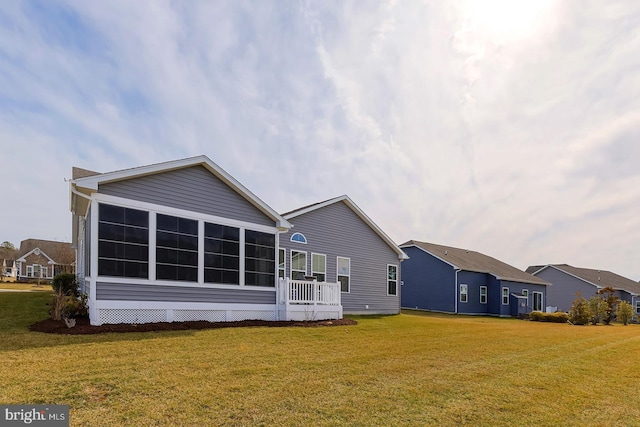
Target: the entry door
(537, 301)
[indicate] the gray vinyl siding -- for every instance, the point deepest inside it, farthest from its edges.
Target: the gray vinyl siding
(564, 287)
(195, 189)
(336, 230)
(130, 292)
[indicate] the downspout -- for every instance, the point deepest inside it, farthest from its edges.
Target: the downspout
(455, 289)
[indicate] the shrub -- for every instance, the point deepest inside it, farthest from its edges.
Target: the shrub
(536, 316)
(557, 317)
(65, 283)
(579, 313)
(598, 307)
(625, 312)
(612, 303)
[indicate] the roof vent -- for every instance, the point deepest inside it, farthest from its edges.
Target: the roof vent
(446, 252)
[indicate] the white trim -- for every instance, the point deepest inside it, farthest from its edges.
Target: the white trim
(523, 293)
(389, 280)
(242, 272)
(92, 182)
(533, 299)
(201, 252)
(40, 252)
(325, 265)
(152, 241)
(359, 212)
(347, 275)
(187, 214)
(502, 295)
(180, 284)
(413, 245)
(486, 294)
(465, 293)
(95, 211)
(297, 233)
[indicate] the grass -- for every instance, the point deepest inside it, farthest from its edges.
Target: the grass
(412, 369)
(25, 286)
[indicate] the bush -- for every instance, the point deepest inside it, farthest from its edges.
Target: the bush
(625, 312)
(580, 314)
(66, 284)
(598, 307)
(557, 317)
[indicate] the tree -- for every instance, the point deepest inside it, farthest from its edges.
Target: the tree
(598, 307)
(8, 245)
(612, 303)
(579, 313)
(625, 312)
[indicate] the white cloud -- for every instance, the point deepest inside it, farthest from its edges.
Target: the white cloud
(506, 133)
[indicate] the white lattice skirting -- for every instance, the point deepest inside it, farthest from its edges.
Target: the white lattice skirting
(109, 315)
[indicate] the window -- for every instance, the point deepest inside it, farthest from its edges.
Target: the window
(344, 274)
(505, 296)
(537, 301)
(392, 279)
(123, 242)
(44, 272)
(525, 293)
(464, 289)
(281, 263)
(259, 258)
(319, 267)
(221, 254)
(176, 248)
(298, 265)
(299, 238)
(483, 294)
(637, 306)
(29, 270)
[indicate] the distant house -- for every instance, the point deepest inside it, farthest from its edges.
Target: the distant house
(44, 259)
(568, 281)
(336, 241)
(453, 280)
(183, 240)
(9, 267)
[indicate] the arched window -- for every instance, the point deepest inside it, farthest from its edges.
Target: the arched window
(298, 237)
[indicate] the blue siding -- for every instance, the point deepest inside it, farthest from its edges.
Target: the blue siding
(428, 282)
(429, 285)
(473, 281)
(564, 288)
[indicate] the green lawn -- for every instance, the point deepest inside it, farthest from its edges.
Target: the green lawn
(411, 369)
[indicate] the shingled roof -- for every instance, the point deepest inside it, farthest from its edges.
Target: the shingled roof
(600, 278)
(468, 260)
(59, 252)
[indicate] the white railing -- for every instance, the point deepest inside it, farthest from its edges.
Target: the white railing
(309, 292)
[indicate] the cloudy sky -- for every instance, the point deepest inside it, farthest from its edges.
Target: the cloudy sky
(510, 129)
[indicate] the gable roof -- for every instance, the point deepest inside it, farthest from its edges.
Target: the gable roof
(467, 260)
(56, 252)
(598, 278)
(359, 212)
(87, 182)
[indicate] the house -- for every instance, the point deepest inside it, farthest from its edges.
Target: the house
(452, 280)
(43, 259)
(184, 240)
(568, 281)
(336, 241)
(9, 267)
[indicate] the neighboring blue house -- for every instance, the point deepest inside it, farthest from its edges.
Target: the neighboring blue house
(183, 241)
(568, 281)
(335, 241)
(452, 280)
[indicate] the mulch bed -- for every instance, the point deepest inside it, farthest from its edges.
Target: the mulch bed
(83, 327)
